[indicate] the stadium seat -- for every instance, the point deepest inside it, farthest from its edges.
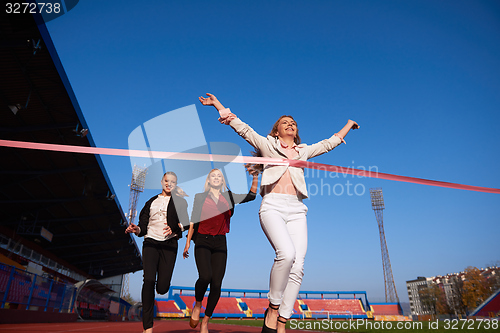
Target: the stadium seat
(335, 306)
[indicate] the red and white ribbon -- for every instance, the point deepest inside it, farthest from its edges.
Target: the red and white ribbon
(240, 159)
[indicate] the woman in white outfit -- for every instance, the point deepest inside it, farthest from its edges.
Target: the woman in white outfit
(282, 212)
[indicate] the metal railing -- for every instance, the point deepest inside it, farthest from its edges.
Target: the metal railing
(21, 289)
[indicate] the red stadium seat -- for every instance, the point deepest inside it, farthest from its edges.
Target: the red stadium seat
(227, 305)
(352, 306)
(257, 305)
(167, 307)
(386, 309)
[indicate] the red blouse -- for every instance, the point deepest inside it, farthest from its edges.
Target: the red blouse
(215, 217)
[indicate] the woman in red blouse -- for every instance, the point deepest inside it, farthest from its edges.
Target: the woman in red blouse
(212, 211)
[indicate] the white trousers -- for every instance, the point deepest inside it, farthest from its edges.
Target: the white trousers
(283, 220)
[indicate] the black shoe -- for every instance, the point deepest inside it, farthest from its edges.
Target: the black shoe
(266, 329)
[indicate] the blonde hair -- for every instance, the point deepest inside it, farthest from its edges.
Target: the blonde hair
(207, 185)
(177, 190)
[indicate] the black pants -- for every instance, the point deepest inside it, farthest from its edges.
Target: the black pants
(158, 258)
(210, 253)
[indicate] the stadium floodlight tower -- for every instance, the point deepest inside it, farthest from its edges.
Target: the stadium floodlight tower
(391, 295)
(136, 187)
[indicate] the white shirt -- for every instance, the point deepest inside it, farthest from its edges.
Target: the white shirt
(158, 219)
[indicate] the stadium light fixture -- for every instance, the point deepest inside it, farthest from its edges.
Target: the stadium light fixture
(110, 196)
(81, 132)
(18, 107)
(15, 108)
(377, 198)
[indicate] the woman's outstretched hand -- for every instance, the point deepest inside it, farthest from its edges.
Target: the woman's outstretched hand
(354, 125)
(211, 100)
(351, 125)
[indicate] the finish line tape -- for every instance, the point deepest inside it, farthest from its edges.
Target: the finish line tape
(240, 159)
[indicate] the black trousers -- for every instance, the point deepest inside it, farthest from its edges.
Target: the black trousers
(158, 258)
(210, 253)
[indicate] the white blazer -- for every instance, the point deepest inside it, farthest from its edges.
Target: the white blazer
(271, 147)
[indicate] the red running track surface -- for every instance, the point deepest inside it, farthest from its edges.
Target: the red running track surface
(163, 326)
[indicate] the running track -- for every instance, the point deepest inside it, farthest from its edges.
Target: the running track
(164, 326)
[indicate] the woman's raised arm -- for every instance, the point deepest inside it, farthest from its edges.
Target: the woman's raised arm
(329, 144)
(351, 124)
(228, 118)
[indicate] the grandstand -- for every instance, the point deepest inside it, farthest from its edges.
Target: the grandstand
(335, 308)
(334, 304)
(247, 303)
(61, 221)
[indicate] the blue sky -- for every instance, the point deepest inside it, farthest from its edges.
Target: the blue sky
(422, 78)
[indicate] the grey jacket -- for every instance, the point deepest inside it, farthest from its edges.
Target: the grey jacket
(271, 147)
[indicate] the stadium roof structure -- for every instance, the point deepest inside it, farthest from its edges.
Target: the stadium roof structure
(67, 194)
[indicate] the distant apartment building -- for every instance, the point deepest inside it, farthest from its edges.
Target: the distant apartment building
(414, 287)
(417, 288)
